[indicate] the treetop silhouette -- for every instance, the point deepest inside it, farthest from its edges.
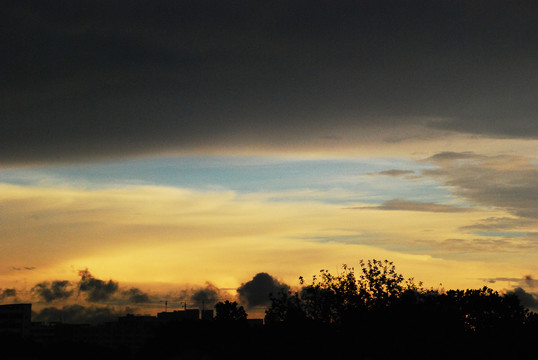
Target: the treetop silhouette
(229, 312)
(378, 291)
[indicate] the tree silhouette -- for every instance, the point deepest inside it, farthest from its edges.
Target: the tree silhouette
(388, 313)
(338, 298)
(229, 311)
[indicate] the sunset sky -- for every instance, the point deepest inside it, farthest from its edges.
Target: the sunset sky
(173, 146)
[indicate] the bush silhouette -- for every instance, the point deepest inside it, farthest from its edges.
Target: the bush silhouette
(229, 311)
(386, 313)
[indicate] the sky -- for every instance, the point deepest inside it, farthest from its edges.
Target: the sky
(156, 151)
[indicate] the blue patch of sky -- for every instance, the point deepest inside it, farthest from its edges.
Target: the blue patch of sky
(334, 180)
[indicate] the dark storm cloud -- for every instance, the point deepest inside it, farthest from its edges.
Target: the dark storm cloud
(96, 289)
(55, 290)
(103, 78)
(258, 291)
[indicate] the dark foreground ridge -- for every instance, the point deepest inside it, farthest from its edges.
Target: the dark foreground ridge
(376, 314)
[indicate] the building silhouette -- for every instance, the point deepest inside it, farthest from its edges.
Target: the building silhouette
(129, 335)
(15, 319)
(180, 315)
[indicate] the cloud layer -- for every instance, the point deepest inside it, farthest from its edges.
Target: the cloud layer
(101, 79)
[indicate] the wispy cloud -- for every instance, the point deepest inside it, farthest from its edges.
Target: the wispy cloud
(485, 244)
(408, 205)
(507, 182)
(448, 156)
(525, 281)
(395, 173)
(24, 268)
(500, 224)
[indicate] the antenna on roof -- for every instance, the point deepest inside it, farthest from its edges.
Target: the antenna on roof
(165, 304)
